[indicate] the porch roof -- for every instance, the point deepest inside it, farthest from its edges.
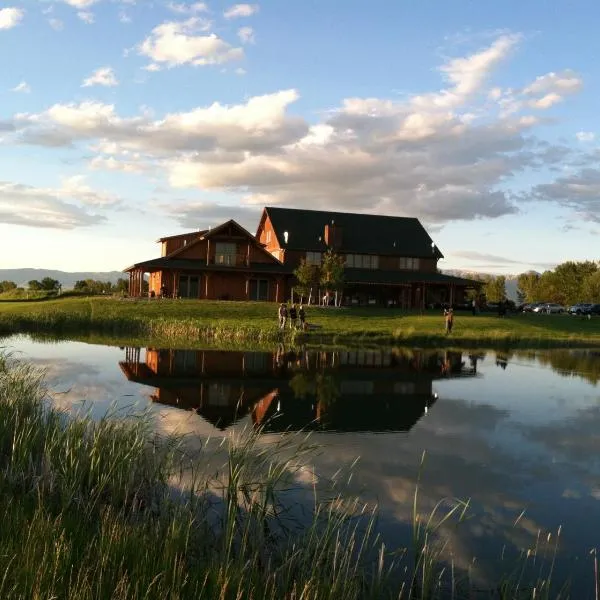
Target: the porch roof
(188, 264)
(375, 276)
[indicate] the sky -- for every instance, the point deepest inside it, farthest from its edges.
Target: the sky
(122, 121)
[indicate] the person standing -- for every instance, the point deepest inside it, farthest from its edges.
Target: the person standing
(293, 316)
(302, 317)
(283, 313)
(449, 318)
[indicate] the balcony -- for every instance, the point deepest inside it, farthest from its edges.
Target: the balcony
(229, 260)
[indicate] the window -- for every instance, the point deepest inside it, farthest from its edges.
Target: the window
(225, 253)
(268, 237)
(409, 264)
(362, 261)
(313, 258)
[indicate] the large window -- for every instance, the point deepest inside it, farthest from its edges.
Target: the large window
(268, 237)
(313, 258)
(259, 290)
(409, 264)
(362, 261)
(225, 253)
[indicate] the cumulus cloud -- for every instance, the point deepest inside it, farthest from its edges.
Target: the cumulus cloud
(104, 76)
(246, 35)
(241, 10)
(193, 214)
(10, 17)
(179, 43)
(585, 136)
(52, 208)
(445, 155)
(23, 88)
(579, 192)
(81, 4)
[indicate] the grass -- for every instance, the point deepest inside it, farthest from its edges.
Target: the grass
(89, 510)
(188, 322)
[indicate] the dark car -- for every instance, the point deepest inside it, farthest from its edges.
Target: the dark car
(594, 309)
(582, 308)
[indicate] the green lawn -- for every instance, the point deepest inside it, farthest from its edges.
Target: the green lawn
(190, 321)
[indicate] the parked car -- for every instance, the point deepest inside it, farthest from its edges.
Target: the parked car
(549, 308)
(594, 309)
(530, 307)
(583, 308)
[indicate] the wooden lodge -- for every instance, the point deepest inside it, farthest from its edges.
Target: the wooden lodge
(389, 261)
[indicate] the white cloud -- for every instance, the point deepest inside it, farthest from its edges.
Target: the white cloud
(56, 24)
(81, 4)
(246, 35)
(75, 187)
(546, 101)
(22, 87)
(47, 207)
(10, 17)
(86, 16)
(241, 10)
(566, 82)
(104, 76)
(187, 9)
(585, 136)
(180, 43)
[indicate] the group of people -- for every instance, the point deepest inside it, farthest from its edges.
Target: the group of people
(295, 316)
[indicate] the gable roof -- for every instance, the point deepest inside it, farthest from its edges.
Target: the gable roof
(362, 233)
(182, 235)
(208, 233)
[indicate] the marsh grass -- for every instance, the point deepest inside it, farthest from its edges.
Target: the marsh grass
(107, 510)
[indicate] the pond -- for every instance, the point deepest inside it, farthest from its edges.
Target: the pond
(516, 433)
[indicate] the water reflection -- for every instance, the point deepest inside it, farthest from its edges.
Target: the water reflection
(342, 391)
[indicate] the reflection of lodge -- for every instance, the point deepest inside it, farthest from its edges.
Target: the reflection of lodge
(340, 391)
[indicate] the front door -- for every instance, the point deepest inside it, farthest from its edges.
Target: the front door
(259, 290)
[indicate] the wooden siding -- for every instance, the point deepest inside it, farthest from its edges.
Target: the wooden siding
(175, 243)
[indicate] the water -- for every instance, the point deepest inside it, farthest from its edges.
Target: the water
(511, 432)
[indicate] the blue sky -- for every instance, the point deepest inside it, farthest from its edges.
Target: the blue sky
(123, 120)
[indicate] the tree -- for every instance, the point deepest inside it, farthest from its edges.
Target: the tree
(122, 285)
(307, 277)
(332, 273)
(495, 288)
(50, 285)
(34, 285)
(590, 288)
(528, 286)
(7, 286)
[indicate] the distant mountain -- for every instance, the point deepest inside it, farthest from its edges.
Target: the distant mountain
(22, 276)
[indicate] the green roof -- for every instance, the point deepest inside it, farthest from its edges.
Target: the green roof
(362, 233)
(375, 276)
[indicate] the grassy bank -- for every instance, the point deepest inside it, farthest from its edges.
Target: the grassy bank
(185, 322)
(88, 512)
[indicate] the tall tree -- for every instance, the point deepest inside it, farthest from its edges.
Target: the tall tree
(528, 286)
(307, 278)
(34, 285)
(590, 288)
(495, 288)
(332, 273)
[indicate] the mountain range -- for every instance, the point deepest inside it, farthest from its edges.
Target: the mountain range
(67, 280)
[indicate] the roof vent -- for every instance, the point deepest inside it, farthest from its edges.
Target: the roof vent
(285, 236)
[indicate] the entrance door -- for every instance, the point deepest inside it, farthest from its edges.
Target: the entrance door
(259, 290)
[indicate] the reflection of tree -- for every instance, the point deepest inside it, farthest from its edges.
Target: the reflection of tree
(502, 360)
(323, 387)
(570, 363)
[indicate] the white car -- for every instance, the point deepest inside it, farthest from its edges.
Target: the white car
(549, 308)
